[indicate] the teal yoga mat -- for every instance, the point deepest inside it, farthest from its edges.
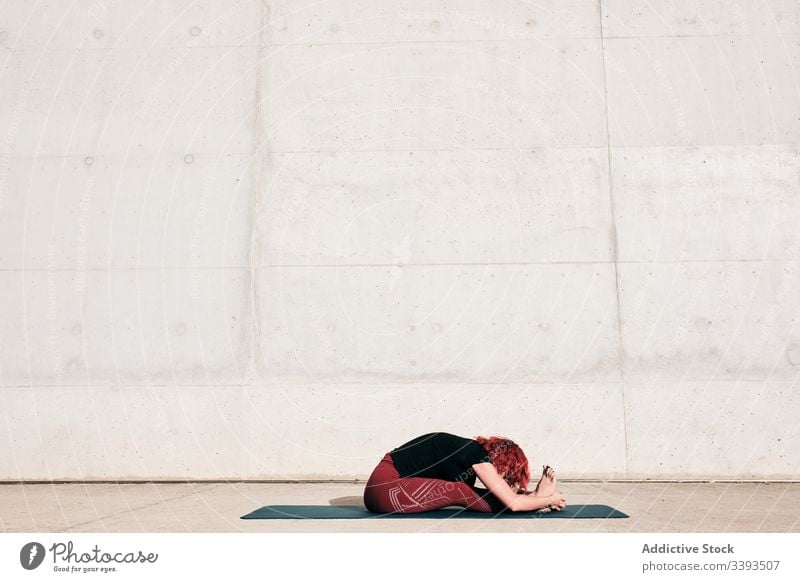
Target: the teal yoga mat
(351, 512)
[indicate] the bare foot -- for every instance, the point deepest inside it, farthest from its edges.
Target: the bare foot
(560, 501)
(547, 484)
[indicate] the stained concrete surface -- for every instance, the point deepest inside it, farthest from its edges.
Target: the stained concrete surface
(271, 239)
(217, 507)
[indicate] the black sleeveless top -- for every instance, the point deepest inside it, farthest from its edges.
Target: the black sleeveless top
(439, 455)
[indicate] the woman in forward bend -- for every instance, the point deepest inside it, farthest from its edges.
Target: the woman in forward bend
(439, 469)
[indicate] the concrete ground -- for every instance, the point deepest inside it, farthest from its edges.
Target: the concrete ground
(217, 507)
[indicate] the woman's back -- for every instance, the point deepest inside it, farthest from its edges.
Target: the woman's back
(439, 455)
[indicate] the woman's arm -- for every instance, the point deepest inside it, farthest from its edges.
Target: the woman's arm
(515, 502)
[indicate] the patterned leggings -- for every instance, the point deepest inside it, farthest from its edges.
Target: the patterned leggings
(387, 492)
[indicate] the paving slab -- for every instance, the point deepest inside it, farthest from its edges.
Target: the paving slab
(217, 507)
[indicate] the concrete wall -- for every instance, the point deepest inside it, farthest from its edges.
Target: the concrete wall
(270, 240)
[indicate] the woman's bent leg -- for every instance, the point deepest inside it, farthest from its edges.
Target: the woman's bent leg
(416, 494)
(375, 491)
(387, 492)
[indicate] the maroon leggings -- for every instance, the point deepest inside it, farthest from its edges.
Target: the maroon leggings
(387, 492)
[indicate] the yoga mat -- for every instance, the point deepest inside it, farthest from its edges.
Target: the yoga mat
(351, 512)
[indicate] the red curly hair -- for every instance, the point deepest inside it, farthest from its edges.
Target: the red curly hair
(508, 458)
